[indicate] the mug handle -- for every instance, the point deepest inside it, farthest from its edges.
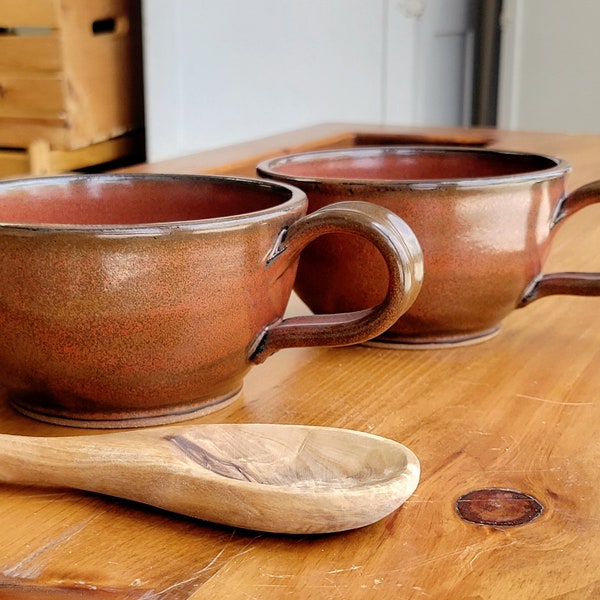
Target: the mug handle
(404, 260)
(574, 284)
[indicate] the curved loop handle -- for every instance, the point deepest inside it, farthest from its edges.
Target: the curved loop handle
(574, 284)
(580, 198)
(404, 259)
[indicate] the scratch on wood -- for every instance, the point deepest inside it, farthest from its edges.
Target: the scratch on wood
(198, 574)
(425, 561)
(194, 577)
(245, 550)
(554, 401)
(484, 550)
(26, 569)
(352, 568)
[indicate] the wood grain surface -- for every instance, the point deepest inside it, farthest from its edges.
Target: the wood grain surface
(519, 412)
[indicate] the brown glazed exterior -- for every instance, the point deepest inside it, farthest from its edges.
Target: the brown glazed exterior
(485, 220)
(133, 300)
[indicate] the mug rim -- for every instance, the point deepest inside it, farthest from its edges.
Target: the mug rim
(296, 198)
(268, 167)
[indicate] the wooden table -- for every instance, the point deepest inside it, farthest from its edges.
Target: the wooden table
(521, 411)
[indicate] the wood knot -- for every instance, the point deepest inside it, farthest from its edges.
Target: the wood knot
(498, 507)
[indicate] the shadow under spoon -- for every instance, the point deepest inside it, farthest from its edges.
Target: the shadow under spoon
(273, 478)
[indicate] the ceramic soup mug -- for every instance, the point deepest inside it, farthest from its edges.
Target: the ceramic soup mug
(131, 300)
(485, 220)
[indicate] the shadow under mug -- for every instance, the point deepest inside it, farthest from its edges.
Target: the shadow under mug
(485, 220)
(131, 300)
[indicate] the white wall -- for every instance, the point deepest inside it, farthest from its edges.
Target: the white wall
(550, 66)
(219, 72)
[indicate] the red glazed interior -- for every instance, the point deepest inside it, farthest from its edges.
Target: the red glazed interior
(130, 200)
(410, 165)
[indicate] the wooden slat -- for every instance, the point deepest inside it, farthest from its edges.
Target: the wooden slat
(131, 144)
(29, 54)
(13, 162)
(19, 133)
(40, 159)
(28, 13)
(31, 97)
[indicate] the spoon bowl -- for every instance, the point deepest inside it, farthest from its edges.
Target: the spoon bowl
(275, 478)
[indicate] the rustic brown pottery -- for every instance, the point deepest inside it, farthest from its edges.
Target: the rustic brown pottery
(129, 300)
(485, 220)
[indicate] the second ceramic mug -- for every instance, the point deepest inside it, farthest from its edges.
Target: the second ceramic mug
(485, 220)
(133, 300)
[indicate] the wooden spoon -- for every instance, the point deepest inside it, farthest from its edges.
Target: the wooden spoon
(275, 478)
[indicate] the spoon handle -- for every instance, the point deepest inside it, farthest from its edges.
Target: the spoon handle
(99, 463)
(164, 467)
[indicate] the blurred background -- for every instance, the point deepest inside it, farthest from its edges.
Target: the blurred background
(224, 71)
(90, 84)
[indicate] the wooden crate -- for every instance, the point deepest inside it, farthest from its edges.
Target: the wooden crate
(70, 72)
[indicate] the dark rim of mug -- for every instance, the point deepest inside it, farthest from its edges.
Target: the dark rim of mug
(291, 198)
(557, 167)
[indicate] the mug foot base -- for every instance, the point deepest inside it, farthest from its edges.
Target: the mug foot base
(406, 343)
(136, 419)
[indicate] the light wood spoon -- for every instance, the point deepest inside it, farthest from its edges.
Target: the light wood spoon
(275, 478)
